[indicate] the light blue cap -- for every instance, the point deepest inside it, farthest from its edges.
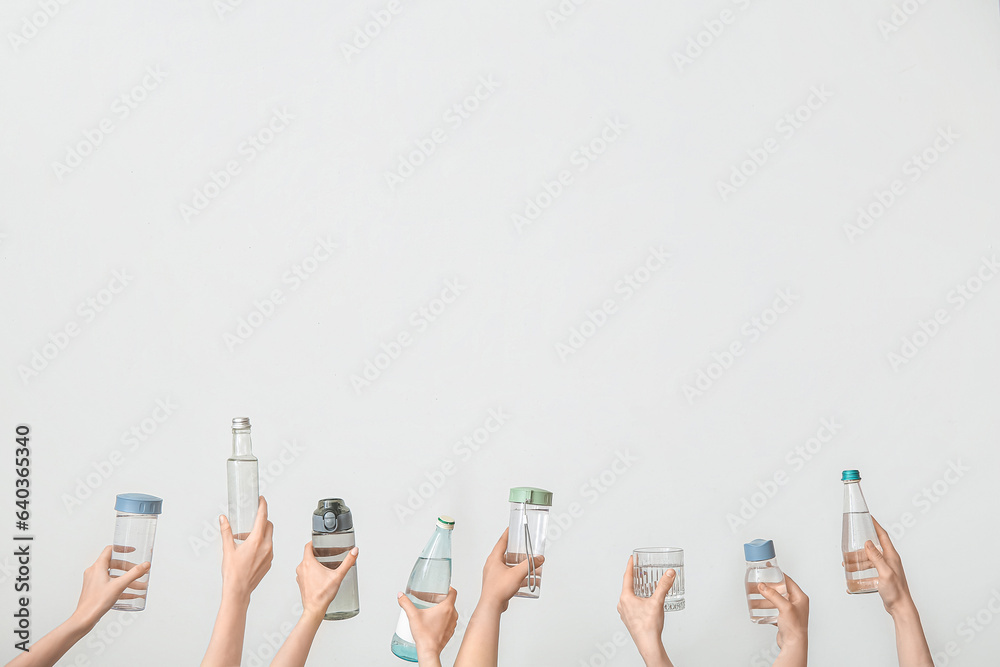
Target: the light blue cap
(138, 503)
(850, 476)
(759, 550)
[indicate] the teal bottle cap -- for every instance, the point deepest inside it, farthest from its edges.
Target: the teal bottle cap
(138, 503)
(531, 495)
(850, 476)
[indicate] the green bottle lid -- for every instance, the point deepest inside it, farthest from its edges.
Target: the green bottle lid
(531, 495)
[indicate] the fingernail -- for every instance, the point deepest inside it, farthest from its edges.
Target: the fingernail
(354, 551)
(399, 595)
(221, 518)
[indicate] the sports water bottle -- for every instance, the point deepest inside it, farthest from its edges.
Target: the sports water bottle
(333, 539)
(429, 584)
(862, 577)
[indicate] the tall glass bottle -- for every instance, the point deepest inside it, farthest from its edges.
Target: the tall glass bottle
(243, 482)
(862, 577)
(429, 584)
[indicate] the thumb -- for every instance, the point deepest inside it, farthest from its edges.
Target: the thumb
(349, 560)
(406, 604)
(774, 597)
(122, 582)
(664, 585)
(228, 545)
(104, 560)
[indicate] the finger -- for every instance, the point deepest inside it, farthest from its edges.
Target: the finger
(795, 593)
(774, 597)
(876, 557)
(500, 547)
(627, 584)
(308, 553)
(344, 566)
(883, 539)
(123, 565)
(663, 585)
(268, 533)
(406, 605)
(227, 536)
(258, 523)
(126, 580)
(104, 560)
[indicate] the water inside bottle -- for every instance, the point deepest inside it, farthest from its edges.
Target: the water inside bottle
(243, 496)
(331, 549)
(429, 585)
(763, 610)
(862, 577)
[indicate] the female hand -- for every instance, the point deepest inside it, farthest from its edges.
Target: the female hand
(319, 584)
(644, 616)
(101, 590)
(432, 628)
(892, 586)
(793, 613)
(501, 582)
(244, 565)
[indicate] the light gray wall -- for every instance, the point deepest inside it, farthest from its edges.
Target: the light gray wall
(679, 130)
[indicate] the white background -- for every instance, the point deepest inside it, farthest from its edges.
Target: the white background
(164, 335)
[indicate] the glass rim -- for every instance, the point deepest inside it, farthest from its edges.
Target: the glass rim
(658, 550)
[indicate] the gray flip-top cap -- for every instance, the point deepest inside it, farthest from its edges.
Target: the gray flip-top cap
(332, 516)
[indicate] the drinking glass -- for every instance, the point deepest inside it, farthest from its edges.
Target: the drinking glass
(649, 564)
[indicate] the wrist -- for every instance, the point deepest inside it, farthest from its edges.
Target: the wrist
(490, 606)
(314, 616)
(235, 595)
(80, 624)
(655, 656)
(904, 612)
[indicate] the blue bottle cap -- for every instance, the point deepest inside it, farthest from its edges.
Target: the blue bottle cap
(850, 476)
(759, 550)
(138, 503)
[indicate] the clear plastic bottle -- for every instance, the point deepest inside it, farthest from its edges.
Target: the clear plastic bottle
(333, 539)
(429, 584)
(862, 577)
(244, 492)
(762, 567)
(135, 529)
(529, 520)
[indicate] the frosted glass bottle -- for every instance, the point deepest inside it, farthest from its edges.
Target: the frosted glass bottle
(762, 567)
(430, 581)
(333, 539)
(862, 577)
(243, 482)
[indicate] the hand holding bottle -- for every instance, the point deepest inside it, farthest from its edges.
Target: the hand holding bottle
(101, 590)
(432, 628)
(318, 584)
(244, 565)
(644, 616)
(793, 622)
(911, 645)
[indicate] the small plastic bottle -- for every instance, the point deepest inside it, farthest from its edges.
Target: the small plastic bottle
(762, 567)
(529, 520)
(135, 528)
(430, 581)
